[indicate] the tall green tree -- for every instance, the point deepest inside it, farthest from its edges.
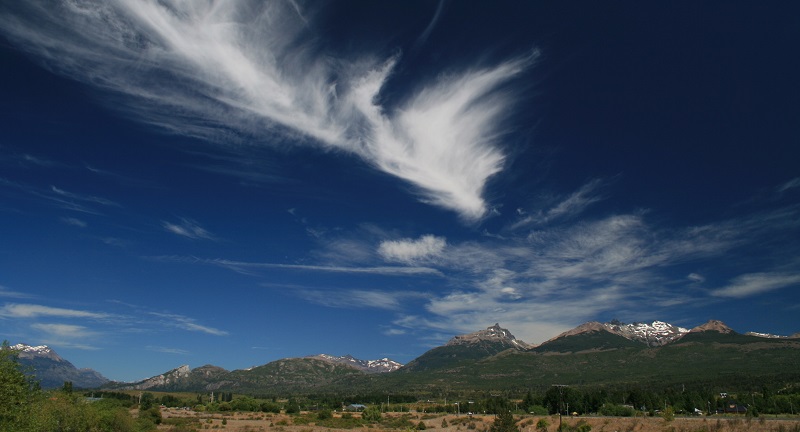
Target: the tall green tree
(504, 422)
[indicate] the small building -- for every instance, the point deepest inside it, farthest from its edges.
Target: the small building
(356, 407)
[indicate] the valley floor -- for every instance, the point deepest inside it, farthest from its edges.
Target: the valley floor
(187, 420)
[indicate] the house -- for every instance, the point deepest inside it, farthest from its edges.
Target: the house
(732, 407)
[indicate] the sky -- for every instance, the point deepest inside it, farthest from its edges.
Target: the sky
(236, 182)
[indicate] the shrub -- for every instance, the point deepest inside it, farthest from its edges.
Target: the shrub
(421, 425)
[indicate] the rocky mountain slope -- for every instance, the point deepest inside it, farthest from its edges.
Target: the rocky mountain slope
(467, 348)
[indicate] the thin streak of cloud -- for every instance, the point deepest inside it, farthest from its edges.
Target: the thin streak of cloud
(61, 198)
(190, 324)
(167, 350)
(65, 331)
(187, 228)
(569, 207)
(244, 266)
(751, 284)
(15, 310)
(5, 292)
(224, 71)
(84, 198)
(791, 184)
(423, 37)
(74, 222)
(695, 277)
(355, 299)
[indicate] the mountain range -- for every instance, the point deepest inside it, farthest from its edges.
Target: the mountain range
(592, 353)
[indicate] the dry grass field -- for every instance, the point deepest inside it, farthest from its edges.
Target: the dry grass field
(184, 421)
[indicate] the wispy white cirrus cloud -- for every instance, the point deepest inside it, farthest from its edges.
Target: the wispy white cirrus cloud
(223, 71)
(66, 335)
(570, 206)
(557, 277)
(412, 251)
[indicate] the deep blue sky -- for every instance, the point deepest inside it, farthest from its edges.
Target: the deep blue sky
(247, 181)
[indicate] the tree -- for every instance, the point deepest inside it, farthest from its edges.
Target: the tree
(146, 401)
(504, 422)
(16, 391)
(371, 414)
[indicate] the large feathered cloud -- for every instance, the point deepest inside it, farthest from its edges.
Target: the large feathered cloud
(251, 71)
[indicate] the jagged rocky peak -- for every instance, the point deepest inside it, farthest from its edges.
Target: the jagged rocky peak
(494, 333)
(161, 380)
(713, 325)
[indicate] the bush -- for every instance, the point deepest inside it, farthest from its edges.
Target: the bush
(421, 425)
(668, 414)
(324, 414)
(542, 425)
(538, 410)
(269, 407)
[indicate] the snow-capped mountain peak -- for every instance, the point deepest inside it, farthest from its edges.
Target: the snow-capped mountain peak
(372, 366)
(40, 349)
(657, 333)
(493, 333)
(766, 335)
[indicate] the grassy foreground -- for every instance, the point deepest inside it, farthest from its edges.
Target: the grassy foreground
(177, 420)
